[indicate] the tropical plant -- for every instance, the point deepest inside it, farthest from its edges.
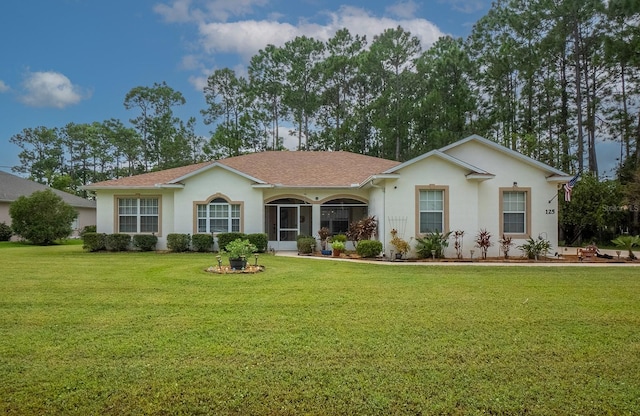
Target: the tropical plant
(239, 248)
(363, 229)
(506, 243)
(338, 238)
(483, 241)
(533, 248)
(323, 234)
(432, 245)
(458, 236)
(627, 242)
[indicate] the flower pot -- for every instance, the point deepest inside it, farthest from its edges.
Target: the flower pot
(238, 264)
(336, 253)
(398, 256)
(325, 252)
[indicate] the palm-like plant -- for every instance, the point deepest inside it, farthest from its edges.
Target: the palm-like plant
(627, 242)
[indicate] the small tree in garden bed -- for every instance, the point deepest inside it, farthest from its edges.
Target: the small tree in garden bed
(483, 242)
(505, 245)
(401, 245)
(458, 236)
(363, 229)
(323, 234)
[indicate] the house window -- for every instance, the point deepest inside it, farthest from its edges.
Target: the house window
(432, 210)
(138, 215)
(337, 214)
(218, 216)
(515, 211)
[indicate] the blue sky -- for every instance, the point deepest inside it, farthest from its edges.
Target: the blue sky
(68, 61)
(74, 61)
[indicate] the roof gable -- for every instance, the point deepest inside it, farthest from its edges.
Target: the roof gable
(448, 158)
(506, 151)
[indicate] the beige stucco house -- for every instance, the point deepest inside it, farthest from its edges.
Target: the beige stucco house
(12, 187)
(469, 185)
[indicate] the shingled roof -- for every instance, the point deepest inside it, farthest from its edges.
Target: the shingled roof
(282, 168)
(12, 187)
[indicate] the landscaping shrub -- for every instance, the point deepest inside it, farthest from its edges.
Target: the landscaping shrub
(42, 217)
(435, 241)
(226, 238)
(118, 242)
(306, 245)
(5, 231)
(202, 242)
(178, 242)
(339, 237)
(369, 248)
(88, 229)
(94, 241)
(145, 242)
(260, 240)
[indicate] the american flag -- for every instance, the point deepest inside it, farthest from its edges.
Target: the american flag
(568, 187)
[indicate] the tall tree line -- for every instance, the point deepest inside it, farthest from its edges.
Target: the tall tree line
(548, 78)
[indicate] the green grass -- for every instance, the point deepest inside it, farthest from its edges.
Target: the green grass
(146, 333)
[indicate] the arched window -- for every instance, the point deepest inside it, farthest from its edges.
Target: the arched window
(218, 216)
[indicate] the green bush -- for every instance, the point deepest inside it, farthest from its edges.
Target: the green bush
(369, 248)
(88, 229)
(202, 242)
(118, 242)
(94, 241)
(5, 232)
(339, 238)
(306, 245)
(260, 240)
(145, 242)
(42, 217)
(432, 242)
(226, 238)
(178, 242)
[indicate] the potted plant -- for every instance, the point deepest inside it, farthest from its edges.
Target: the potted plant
(238, 250)
(401, 246)
(338, 248)
(323, 234)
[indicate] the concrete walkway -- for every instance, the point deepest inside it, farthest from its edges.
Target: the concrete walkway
(541, 263)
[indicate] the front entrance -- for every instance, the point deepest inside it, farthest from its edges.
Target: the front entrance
(285, 220)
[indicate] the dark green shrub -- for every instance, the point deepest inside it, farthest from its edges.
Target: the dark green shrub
(88, 229)
(369, 248)
(178, 242)
(94, 241)
(260, 240)
(306, 245)
(42, 217)
(145, 242)
(226, 238)
(202, 242)
(5, 232)
(118, 242)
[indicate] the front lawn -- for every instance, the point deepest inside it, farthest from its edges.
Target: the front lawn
(147, 333)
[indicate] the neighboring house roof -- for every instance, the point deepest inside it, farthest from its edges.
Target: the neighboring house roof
(12, 187)
(277, 168)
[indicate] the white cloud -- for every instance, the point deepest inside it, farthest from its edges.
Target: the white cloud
(405, 10)
(3, 87)
(247, 37)
(49, 89)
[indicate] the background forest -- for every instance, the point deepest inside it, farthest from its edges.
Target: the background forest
(548, 78)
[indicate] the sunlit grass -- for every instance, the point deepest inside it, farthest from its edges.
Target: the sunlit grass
(146, 333)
